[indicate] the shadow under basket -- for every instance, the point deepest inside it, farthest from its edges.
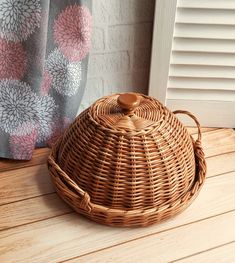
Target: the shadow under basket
(128, 161)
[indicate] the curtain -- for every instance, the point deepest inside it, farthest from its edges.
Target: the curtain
(44, 48)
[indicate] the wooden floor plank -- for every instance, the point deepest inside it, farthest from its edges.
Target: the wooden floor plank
(32, 210)
(218, 142)
(222, 254)
(194, 130)
(16, 185)
(24, 183)
(48, 206)
(220, 164)
(68, 236)
(180, 242)
(39, 157)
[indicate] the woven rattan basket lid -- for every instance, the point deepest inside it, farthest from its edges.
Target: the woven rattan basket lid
(128, 161)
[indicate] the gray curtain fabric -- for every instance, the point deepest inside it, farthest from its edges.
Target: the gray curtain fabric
(44, 48)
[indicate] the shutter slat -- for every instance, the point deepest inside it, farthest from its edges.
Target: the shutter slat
(193, 94)
(201, 58)
(201, 83)
(204, 45)
(204, 31)
(212, 4)
(199, 71)
(210, 113)
(205, 16)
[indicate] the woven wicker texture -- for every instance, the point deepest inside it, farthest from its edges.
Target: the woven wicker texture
(128, 161)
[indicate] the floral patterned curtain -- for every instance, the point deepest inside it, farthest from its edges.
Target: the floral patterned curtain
(44, 47)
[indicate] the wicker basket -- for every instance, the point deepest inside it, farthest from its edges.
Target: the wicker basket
(128, 161)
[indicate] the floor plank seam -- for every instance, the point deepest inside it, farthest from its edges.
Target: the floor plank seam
(23, 167)
(216, 175)
(20, 167)
(204, 132)
(201, 252)
(28, 198)
(36, 221)
(216, 155)
(149, 235)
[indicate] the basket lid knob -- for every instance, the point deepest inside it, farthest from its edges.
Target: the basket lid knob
(128, 101)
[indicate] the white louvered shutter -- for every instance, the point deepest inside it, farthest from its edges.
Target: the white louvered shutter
(201, 73)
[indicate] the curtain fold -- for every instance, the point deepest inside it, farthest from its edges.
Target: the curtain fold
(44, 47)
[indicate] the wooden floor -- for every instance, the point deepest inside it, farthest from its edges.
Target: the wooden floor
(36, 226)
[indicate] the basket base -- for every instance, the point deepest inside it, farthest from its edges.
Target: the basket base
(139, 220)
(77, 198)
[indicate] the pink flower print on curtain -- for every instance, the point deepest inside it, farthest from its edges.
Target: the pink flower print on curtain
(22, 140)
(57, 131)
(12, 60)
(24, 115)
(21, 147)
(19, 18)
(46, 83)
(72, 32)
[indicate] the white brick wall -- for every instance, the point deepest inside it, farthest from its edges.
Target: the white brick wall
(121, 46)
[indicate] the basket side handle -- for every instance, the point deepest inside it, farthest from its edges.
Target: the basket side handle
(199, 153)
(84, 198)
(195, 120)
